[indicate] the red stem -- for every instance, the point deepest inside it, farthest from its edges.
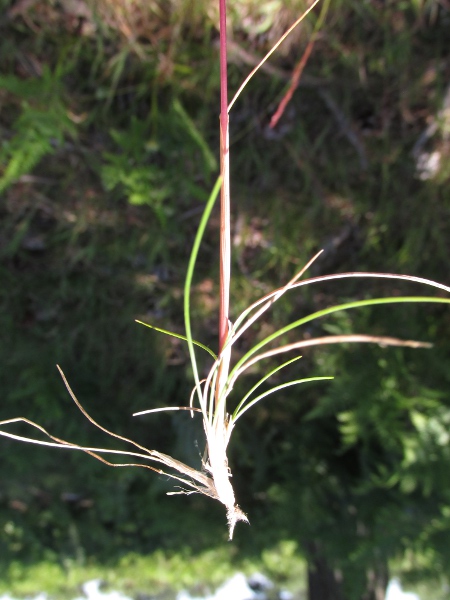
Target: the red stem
(225, 242)
(295, 80)
(223, 61)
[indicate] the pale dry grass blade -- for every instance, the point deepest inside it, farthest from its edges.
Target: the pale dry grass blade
(92, 451)
(275, 294)
(204, 480)
(269, 54)
(165, 409)
(208, 408)
(330, 339)
(60, 443)
(206, 483)
(325, 312)
(270, 299)
(356, 274)
(241, 55)
(212, 397)
(191, 398)
(89, 418)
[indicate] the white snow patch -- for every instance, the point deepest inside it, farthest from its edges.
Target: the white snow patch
(240, 588)
(394, 592)
(91, 590)
(236, 588)
(428, 164)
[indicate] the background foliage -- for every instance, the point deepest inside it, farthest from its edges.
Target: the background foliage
(108, 121)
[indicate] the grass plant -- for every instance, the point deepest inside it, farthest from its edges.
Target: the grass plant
(212, 397)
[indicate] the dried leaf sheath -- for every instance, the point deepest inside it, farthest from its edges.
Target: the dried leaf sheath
(199, 481)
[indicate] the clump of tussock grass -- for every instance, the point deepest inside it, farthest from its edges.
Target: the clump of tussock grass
(211, 396)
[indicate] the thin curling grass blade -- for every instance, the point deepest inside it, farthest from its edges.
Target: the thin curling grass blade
(165, 409)
(198, 481)
(275, 294)
(268, 300)
(260, 382)
(95, 452)
(269, 54)
(178, 336)
(188, 285)
(237, 369)
(330, 339)
(273, 390)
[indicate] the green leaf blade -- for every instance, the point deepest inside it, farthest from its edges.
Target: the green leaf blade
(277, 389)
(179, 336)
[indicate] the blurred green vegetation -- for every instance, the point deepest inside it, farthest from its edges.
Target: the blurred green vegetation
(109, 137)
(162, 572)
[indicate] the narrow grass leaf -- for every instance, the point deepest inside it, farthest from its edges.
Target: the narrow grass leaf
(270, 299)
(59, 443)
(260, 382)
(196, 136)
(277, 389)
(164, 409)
(331, 339)
(323, 313)
(354, 274)
(95, 453)
(179, 336)
(269, 54)
(350, 275)
(212, 396)
(188, 281)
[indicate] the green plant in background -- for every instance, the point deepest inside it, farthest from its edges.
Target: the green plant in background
(141, 182)
(145, 172)
(41, 127)
(163, 573)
